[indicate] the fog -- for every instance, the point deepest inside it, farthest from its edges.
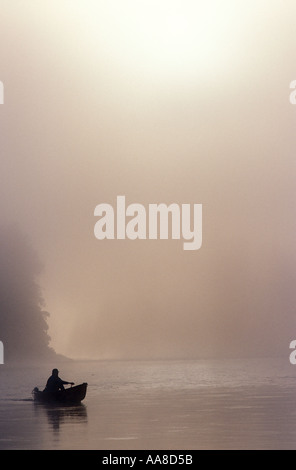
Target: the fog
(93, 109)
(23, 325)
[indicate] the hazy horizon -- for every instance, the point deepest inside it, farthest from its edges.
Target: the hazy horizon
(162, 102)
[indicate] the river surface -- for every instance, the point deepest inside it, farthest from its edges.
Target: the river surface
(154, 405)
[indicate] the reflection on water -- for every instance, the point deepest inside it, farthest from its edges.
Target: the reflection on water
(58, 416)
(61, 425)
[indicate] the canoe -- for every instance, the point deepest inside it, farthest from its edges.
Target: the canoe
(72, 395)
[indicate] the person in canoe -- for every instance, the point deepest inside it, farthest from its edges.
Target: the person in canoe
(55, 383)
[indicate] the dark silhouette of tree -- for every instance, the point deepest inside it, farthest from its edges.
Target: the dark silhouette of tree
(23, 325)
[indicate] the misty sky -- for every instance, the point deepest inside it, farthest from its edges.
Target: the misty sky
(163, 102)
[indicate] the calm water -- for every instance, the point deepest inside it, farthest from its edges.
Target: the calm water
(248, 404)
